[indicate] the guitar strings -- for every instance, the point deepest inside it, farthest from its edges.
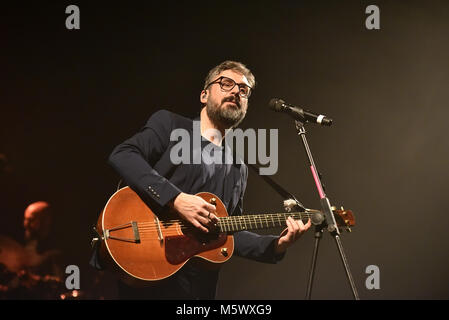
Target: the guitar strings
(151, 227)
(227, 221)
(236, 219)
(261, 223)
(150, 231)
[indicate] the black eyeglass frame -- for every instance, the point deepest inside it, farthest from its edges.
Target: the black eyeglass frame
(240, 85)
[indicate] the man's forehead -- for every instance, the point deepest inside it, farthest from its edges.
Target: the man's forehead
(37, 209)
(33, 214)
(234, 75)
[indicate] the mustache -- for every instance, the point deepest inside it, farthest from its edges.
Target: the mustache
(232, 98)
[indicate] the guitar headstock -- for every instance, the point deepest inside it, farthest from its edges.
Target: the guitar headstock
(344, 218)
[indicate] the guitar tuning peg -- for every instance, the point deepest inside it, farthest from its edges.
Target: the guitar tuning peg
(348, 230)
(334, 208)
(342, 209)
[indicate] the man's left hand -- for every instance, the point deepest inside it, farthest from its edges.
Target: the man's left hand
(294, 230)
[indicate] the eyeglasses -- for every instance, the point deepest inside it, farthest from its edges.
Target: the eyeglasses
(227, 84)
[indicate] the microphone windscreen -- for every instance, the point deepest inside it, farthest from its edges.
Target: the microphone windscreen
(275, 104)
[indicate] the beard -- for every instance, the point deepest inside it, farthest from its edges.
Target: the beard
(229, 117)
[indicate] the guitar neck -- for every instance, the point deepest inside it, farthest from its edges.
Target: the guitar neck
(259, 221)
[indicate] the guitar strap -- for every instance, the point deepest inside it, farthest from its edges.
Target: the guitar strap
(273, 184)
(276, 187)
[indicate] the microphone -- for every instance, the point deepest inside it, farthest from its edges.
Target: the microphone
(297, 113)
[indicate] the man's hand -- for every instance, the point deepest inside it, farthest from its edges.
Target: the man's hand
(195, 210)
(294, 230)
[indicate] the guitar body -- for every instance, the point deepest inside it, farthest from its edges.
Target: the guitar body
(146, 247)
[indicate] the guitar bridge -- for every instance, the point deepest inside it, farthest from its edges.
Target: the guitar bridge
(159, 231)
(132, 224)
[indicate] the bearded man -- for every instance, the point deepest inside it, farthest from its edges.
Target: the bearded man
(144, 162)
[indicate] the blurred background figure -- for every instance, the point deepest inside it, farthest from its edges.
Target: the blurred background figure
(32, 270)
(42, 257)
(37, 221)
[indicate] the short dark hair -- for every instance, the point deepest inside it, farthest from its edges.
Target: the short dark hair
(230, 65)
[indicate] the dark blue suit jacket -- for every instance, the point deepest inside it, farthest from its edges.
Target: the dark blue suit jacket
(143, 161)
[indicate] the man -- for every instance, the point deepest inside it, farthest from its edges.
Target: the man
(35, 268)
(144, 161)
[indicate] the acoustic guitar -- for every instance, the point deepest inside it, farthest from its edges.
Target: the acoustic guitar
(144, 246)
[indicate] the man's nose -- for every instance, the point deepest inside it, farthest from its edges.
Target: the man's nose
(235, 90)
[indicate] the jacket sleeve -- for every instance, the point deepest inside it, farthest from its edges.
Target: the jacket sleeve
(134, 158)
(251, 245)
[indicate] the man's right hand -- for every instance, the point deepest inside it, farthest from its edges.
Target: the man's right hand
(195, 210)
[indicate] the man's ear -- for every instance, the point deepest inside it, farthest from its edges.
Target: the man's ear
(203, 96)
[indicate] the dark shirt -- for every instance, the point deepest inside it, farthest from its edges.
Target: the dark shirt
(144, 162)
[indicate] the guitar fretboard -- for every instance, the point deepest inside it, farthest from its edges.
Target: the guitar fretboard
(258, 221)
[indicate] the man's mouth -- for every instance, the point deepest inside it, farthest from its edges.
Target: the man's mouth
(233, 102)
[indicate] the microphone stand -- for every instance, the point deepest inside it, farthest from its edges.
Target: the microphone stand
(329, 221)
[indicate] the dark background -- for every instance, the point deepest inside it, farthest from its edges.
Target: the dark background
(69, 96)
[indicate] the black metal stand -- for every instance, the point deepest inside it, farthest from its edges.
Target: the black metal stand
(318, 235)
(329, 221)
